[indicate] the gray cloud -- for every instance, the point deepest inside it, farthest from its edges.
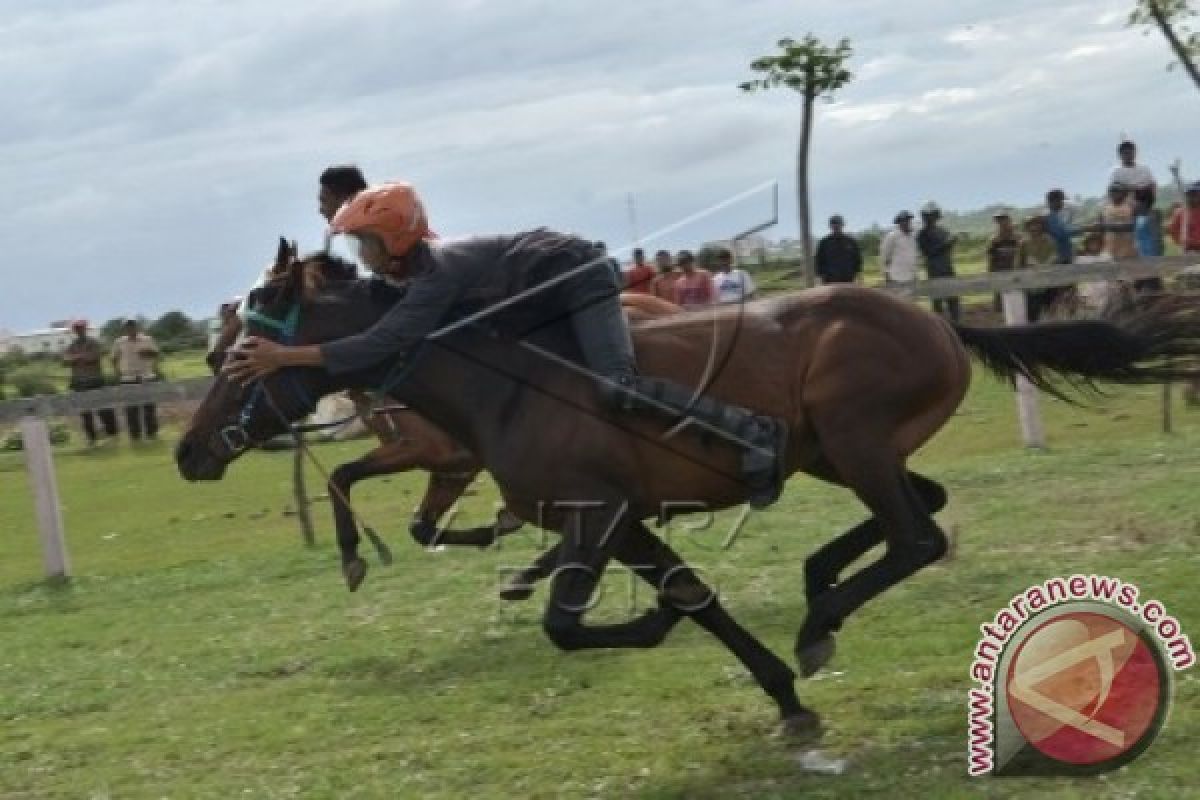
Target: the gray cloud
(152, 151)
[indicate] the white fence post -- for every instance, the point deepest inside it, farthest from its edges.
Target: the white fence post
(1016, 312)
(39, 460)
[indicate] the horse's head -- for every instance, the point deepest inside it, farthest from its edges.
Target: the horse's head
(233, 418)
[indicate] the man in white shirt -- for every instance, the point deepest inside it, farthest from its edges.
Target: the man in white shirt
(733, 285)
(898, 252)
(135, 356)
(1129, 173)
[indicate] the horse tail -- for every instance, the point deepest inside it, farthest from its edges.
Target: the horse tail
(1149, 339)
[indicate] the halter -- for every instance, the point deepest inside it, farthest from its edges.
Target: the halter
(236, 437)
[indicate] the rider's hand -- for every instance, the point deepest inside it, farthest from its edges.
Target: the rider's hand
(254, 358)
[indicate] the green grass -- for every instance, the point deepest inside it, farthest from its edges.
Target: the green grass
(202, 651)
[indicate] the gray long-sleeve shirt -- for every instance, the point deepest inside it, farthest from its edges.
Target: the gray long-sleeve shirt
(443, 276)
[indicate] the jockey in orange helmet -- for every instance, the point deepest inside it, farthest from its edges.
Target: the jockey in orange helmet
(391, 230)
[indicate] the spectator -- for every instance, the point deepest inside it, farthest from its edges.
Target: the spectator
(733, 285)
(1003, 248)
(694, 287)
(937, 246)
(839, 258)
(135, 357)
(1147, 235)
(1093, 294)
(337, 185)
(85, 356)
(640, 276)
(664, 284)
(1039, 250)
(1116, 223)
(1061, 224)
(898, 252)
(1184, 227)
(1129, 173)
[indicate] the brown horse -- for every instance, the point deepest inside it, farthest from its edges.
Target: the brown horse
(862, 378)
(408, 441)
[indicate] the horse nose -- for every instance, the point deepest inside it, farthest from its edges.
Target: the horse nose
(182, 451)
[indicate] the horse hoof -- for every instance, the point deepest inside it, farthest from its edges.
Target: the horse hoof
(814, 655)
(802, 728)
(355, 572)
(514, 592)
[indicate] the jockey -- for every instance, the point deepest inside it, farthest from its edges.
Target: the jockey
(390, 229)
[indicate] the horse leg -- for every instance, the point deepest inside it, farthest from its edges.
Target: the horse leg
(583, 554)
(380, 461)
(519, 585)
(680, 588)
(824, 567)
(913, 541)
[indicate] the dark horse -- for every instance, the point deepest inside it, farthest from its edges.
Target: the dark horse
(408, 441)
(862, 378)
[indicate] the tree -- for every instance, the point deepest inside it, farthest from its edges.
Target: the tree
(814, 70)
(1173, 20)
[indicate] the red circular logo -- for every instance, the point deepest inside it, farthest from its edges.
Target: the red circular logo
(1086, 688)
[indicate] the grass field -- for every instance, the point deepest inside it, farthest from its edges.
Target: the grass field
(202, 651)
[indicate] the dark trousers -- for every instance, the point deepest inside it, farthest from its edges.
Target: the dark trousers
(141, 419)
(108, 420)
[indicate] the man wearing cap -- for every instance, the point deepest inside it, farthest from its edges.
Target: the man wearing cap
(898, 252)
(839, 258)
(1004, 252)
(135, 356)
(1184, 227)
(937, 246)
(84, 356)
(1129, 173)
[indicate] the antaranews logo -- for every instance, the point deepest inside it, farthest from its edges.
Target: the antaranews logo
(1073, 677)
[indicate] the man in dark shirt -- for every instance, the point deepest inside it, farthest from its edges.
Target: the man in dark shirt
(937, 246)
(85, 358)
(839, 258)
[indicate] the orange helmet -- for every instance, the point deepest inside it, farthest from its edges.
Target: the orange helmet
(391, 211)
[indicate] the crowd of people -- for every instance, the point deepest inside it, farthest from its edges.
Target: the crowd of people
(1129, 225)
(680, 280)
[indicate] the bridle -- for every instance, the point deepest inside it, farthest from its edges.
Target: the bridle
(236, 437)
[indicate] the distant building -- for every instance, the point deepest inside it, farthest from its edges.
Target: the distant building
(51, 341)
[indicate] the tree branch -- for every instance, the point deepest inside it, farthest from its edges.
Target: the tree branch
(1181, 51)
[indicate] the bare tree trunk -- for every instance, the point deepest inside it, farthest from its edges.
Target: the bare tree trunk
(1181, 52)
(802, 190)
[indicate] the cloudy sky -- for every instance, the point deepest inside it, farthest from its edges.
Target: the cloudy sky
(151, 151)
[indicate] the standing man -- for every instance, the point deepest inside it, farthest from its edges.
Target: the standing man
(733, 285)
(1060, 225)
(694, 287)
(937, 245)
(839, 258)
(1040, 250)
(84, 356)
(664, 284)
(1184, 227)
(898, 252)
(640, 277)
(1128, 172)
(1116, 223)
(1004, 249)
(338, 184)
(135, 357)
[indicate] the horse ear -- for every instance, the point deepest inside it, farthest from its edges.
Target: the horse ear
(294, 250)
(283, 257)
